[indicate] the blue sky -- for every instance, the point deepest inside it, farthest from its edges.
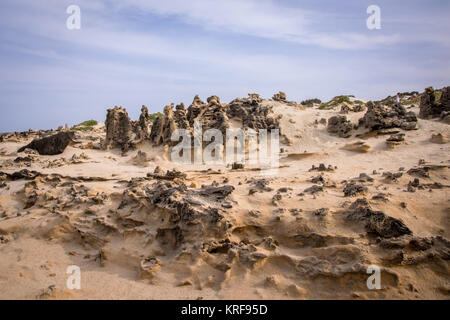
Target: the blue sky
(156, 52)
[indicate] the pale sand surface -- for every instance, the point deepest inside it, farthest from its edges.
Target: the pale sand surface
(108, 243)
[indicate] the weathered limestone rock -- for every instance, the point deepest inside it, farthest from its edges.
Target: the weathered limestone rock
(376, 222)
(280, 96)
(340, 125)
(380, 116)
(142, 127)
(214, 116)
(163, 127)
(358, 146)
(430, 108)
(194, 109)
(119, 132)
(252, 114)
(395, 140)
(439, 138)
(180, 115)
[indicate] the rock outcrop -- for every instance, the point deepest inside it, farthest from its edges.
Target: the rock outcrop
(190, 213)
(119, 130)
(376, 222)
(252, 113)
(194, 109)
(379, 116)
(163, 127)
(51, 145)
(142, 127)
(430, 108)
(213, 115)
(340, 126)
(280, 96)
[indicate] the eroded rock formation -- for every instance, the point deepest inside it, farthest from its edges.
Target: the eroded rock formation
(119, 133)
(340, 126)
(280, 96)
(430, 108)
(51, 145)
(163, 127)
(142, 127)
(376, 222)
(379, 116)
(250, 112)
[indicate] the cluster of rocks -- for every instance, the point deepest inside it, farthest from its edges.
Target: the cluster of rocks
(376, 222)
(346, 108)
(252, 113)
(352, 189)
(123, 133)
(17, 136)
(322, 168)
(379, 116)
(430, 108)
(189, 212)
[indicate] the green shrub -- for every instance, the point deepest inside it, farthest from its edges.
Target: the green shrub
(416, 100)
(85, 126)
(341, 99)
(325, 106)
(309, 102)
(335, 102)
(152, 116)
(437, 95)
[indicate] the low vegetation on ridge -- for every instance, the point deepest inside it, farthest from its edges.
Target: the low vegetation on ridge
(85, 126)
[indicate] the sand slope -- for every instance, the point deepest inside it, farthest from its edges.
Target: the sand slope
(139, 237)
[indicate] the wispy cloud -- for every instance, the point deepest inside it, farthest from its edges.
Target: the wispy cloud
(157, 52)
(264, 19)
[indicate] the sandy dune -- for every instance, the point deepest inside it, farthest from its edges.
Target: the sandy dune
(231, 234)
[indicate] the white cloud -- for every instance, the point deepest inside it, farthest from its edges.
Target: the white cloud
(261, 18)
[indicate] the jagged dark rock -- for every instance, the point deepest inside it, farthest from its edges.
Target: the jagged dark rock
(163, 127)
(51, 145)
(379, 116)
(322, 168)
(429, 107)
(313, 189)
(340, 126)
(169, 175)
(194, 109)
(142, 127)
(213, 115)
(353, 189)
(252, 113)
(376, 222)
(22, 174)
